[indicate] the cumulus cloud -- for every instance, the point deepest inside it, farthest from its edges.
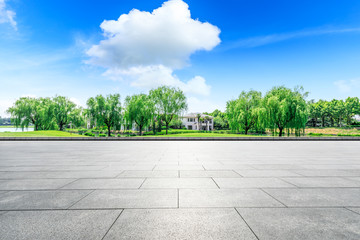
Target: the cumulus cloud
(147, 47)
(7, 16)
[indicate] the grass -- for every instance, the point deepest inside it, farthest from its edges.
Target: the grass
(50, 133)
(332, 131)
(204, 135)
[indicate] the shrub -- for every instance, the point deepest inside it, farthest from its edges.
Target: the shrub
(102, 135)
(90, 134)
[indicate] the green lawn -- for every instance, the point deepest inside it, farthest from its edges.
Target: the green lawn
(50, 133)
(205, 135)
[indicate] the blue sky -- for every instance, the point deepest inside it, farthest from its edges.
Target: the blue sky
(224, 47)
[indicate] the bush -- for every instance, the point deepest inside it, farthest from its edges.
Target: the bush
(102, 135)
(348, 135)
(315, 134)
(90, 134)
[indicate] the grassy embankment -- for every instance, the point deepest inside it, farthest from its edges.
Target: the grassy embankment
(50, 133)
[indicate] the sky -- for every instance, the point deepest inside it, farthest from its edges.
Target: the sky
(212, 50)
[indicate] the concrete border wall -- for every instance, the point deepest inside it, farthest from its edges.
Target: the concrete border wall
(179, 139)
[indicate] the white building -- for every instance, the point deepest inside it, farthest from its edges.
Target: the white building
(191, 121)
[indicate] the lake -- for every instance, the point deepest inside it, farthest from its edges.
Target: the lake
(11, 129)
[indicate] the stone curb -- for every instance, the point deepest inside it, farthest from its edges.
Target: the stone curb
(180, 139)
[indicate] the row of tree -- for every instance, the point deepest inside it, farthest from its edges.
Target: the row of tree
(45, 113)
(283, 109)
(161, 105)
(333, 113)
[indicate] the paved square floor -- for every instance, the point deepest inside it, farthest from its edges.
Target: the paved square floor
(180, 190)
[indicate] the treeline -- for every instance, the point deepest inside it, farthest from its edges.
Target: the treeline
(160, 106)
(285, 111)
(281, 110)
(333, 113)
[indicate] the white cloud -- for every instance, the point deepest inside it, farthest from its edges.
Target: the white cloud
(147, 47)
(279, 37)
(7, 16)
(347, 85)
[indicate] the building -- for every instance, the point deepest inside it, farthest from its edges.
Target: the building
(191, 121)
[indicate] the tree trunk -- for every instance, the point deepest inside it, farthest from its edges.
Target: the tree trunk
(167, 126)
(154, 127)
(140, 129)
(108, 130)
(280, 132)
(246, 130)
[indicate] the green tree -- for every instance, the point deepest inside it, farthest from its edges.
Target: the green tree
(286, 109)
(36, 111)
(77, 117)
(139, 109)
(352, 108)
(169, 102)
(245, 112)
(63, 107)
(105, 111)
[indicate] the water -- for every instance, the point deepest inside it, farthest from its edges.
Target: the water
(10, 129)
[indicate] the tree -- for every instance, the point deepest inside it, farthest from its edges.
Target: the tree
(36, 111)
(246, 111)
(63, 107)
(199, 120)
(352, 108)
(139, 109)
(105, 111)
(77, 117)
(286, 109)
(169, 102)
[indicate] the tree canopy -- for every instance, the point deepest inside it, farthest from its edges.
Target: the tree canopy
(169, 102)
(105, 110)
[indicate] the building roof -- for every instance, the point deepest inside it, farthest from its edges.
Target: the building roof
(194, 115)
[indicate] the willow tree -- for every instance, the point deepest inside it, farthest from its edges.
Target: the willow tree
(246, 112)
(169, 102)
(105, 110)
(286, 109)
(36, 111)
(139, 109)
(63, 108)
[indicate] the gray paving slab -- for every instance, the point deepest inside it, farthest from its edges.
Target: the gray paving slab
(202, 198)
(178, 167)
(302, 223)
(226, 166)
(322, 182)
(149, 174)
(252, 183)
(119, 183)
(180, 224)
(33, 184)
(326, 173)
(19, 200)
(56, 225)
(267, 173)
(357, 210)
(179, 183)
(207, 174)
(59, 174)
(317, 197)
(102, 199)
